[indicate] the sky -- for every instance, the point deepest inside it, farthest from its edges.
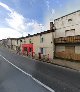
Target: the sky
(22, 17)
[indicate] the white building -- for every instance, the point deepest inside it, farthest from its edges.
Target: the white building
(67, 36)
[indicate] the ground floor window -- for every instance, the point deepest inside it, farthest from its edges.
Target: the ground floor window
(41, 49)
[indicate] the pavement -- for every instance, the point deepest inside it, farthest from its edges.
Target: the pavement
(67, 64)
(64, 63)
(56, 78)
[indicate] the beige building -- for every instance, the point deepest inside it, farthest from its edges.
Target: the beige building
(67, 36)
(12, 43)
(42, 43)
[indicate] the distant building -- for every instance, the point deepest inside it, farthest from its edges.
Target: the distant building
(67, 36)
(12, 43)
(4, 42)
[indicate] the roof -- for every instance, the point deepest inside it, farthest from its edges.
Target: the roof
(45, 32)
(13, 38)
(67, 15)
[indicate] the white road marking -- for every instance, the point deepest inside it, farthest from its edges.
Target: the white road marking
(42, 84)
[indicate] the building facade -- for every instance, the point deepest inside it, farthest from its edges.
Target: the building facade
(12, 43)
(4, 42)
(40, 43)
(67, 36)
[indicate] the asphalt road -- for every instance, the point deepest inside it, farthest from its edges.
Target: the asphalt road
(13, 80)
(57, 78)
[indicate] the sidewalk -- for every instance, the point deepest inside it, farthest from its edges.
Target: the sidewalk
(68, 64)
(64, 63)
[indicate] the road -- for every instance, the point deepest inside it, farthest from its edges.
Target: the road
(20, 74)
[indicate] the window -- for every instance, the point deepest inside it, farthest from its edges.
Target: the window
(70, 32)
(69, 20)
(29, 40)
(41, 50)
(41, 40)
(20, 40)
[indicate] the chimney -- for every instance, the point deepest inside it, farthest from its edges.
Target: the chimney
(51, 25)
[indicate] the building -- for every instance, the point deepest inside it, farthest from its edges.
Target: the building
(0, 42)
(67, 36)
(12, 43)
(4, 42)
(40, 43)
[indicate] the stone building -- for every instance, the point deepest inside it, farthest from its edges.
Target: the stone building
(40, 43)
(12, 43)
(67, 36)
(4, 42)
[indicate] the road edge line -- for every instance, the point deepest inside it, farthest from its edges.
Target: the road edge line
(42, 84)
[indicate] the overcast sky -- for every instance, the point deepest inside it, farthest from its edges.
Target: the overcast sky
(21, 17)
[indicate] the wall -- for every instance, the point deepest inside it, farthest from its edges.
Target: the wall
(77, 49)
(47, 43)
(60, 48)
(14, 43)
(68, 25)
(73, 53)
(9, 43)
(62, 24)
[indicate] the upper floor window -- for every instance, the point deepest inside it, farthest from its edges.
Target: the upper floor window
(69, 20)
(20, 40)
(70, 32)
(41, 40)
(30, 41)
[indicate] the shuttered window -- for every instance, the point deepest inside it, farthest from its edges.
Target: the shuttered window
(70, 32)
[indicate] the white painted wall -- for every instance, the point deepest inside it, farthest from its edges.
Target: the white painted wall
(62, 24)
(70, 32)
